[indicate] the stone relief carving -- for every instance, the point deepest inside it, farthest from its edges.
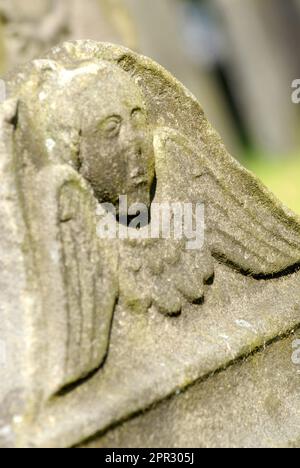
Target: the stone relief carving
(90, 122)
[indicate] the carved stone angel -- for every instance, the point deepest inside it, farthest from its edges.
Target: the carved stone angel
(84, 125)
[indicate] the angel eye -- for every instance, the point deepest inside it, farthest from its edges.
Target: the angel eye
(111, 127)
(138, 116)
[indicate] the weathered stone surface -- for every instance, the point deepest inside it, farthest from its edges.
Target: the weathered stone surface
(253, 403)
(113, 326)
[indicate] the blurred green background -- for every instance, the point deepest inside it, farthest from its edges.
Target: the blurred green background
(281, 176)
(239, 58)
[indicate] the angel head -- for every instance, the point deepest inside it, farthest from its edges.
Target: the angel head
(97, 120)
(116, 150)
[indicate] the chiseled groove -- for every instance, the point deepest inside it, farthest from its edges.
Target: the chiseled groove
(238, 360)
(81, 381)
(258, 239)
(79, 299)
(67, 305)
(93, 261)
(93, 350)
(94, 279)
(290, 270)
(210, 173)
(247, 249)
(231, 195)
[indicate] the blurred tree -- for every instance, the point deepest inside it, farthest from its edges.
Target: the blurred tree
(161, 26)
(261, 68)
(28, 29)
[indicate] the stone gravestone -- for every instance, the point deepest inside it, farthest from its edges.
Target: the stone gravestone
(97, 325)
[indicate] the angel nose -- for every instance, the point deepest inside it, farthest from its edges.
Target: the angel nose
(136, 167)
(136, 173)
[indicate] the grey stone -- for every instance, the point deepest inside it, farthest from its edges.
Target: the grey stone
(252, 403)
(98, 330)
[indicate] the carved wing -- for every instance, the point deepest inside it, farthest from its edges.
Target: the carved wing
(246, 227)
(59, 279)
(76, 275)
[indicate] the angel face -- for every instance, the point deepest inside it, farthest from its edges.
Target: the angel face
(116, 150)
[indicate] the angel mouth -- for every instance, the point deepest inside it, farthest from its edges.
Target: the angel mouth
(138, 176)
(138, 179)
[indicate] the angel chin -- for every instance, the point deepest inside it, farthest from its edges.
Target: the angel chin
(162, 221)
